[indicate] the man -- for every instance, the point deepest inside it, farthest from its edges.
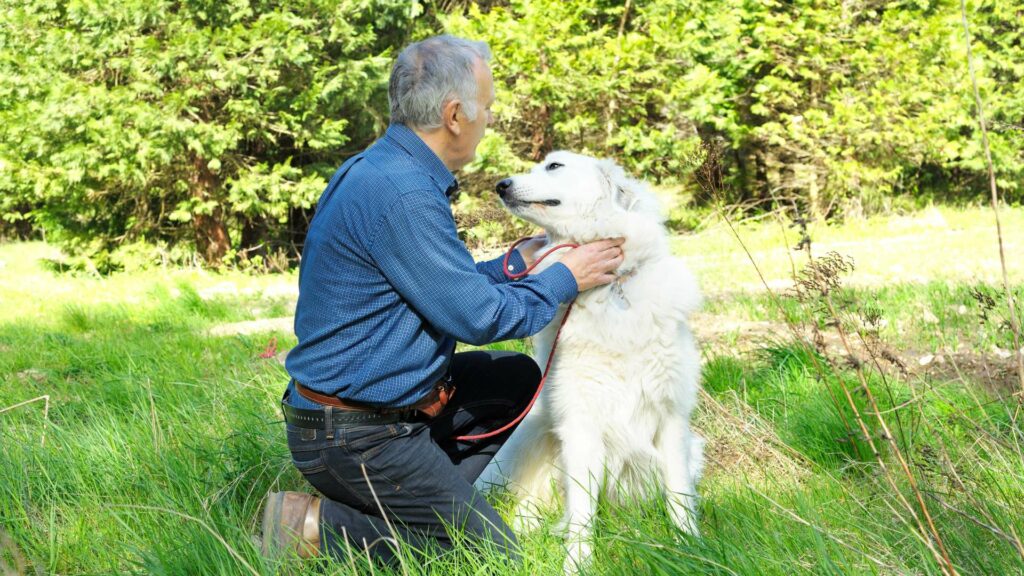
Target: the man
(385, 290)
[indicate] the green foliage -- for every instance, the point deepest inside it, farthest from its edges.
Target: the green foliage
(836, 106)
(856, 102)
(214, 126)
(213, 123)
(588, 86)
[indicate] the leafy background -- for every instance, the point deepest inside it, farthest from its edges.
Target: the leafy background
(201, 131)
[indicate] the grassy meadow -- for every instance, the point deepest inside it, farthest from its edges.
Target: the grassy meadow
(159, 432)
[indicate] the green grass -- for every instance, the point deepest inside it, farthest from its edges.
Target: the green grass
(923, 317)
(938, 244)
(162, 440)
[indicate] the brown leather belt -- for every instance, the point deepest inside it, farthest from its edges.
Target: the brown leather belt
(431, 404)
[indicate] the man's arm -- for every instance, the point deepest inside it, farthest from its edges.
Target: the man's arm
(417, 248)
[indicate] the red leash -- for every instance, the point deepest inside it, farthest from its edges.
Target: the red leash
(554, 345)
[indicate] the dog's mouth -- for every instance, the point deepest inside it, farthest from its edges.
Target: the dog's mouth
(510, 202)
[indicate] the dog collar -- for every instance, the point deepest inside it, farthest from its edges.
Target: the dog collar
(620, 278)
(616, 286)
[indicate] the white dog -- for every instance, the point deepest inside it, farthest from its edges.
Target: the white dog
(615, 411)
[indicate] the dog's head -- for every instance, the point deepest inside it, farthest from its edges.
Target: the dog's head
(577, 197)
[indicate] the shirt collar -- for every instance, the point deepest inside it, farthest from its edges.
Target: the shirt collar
(409, 141)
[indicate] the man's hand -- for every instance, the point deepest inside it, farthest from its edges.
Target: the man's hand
(594, 264)
(528, 250)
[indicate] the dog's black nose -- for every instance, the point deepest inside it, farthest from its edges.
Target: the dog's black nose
(503, 187)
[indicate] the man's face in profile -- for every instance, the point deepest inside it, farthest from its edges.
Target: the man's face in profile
(473, 130)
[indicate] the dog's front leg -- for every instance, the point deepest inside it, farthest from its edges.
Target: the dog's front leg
(530, 459)
(583, 469)
(680, 451)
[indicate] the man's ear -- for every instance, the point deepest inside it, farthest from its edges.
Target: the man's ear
(620, 187)
(450, 116)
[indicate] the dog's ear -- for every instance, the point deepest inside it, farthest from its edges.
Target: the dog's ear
(622, 188)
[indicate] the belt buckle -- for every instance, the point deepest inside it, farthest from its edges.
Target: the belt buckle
(445, 384)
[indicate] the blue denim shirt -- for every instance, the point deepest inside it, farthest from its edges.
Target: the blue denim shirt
(386, 287)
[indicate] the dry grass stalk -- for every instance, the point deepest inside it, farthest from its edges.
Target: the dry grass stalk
(797, 518)
(234, 553)
(860, 421)
(793, 329)
(46, 411)
(951, 468)
(384, 515)
(947, 563)
(613, 104)
(823, 279)
(710, 178)
(1012, 538)
(1014, 324)
(348, 550)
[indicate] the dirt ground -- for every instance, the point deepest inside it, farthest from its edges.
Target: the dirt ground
(725, 334)
(996, 370)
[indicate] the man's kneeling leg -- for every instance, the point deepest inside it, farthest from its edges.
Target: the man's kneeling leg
(395, 471)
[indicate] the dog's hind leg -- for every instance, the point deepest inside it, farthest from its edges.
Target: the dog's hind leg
(681, 454)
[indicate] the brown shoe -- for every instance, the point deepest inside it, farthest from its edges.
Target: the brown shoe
(291, 523)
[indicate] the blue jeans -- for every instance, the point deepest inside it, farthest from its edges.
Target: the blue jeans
(420, 476)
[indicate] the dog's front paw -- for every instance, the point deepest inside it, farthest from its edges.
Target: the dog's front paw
(578, 557)
(564, 527)
(525, 521)
(527, 516)
(684, 518)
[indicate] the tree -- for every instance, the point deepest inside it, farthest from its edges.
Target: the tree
(213, 126)
(213, 123)
(836, 106)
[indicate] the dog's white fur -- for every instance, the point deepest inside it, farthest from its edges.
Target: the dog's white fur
(615, 411)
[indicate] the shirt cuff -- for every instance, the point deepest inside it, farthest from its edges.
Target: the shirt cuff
(516, 264)
(559, 278)
(496, 268)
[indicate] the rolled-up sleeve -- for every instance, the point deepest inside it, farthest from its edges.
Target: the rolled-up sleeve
(416, 246)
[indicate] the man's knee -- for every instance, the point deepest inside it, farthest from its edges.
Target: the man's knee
(520, 372)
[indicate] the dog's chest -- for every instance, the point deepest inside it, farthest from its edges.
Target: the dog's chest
(614, 341)
(623, 314)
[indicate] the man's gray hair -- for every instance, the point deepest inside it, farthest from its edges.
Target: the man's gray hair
(430, 73)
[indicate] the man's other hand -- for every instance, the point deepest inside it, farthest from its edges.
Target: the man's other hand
(594, 264)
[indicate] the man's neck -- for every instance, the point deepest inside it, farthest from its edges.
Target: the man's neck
(437, 141)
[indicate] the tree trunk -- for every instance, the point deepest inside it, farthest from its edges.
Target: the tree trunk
(212, 240)
(613, 105)
(541, 140)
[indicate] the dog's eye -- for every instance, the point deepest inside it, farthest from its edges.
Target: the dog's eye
(553, 166)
